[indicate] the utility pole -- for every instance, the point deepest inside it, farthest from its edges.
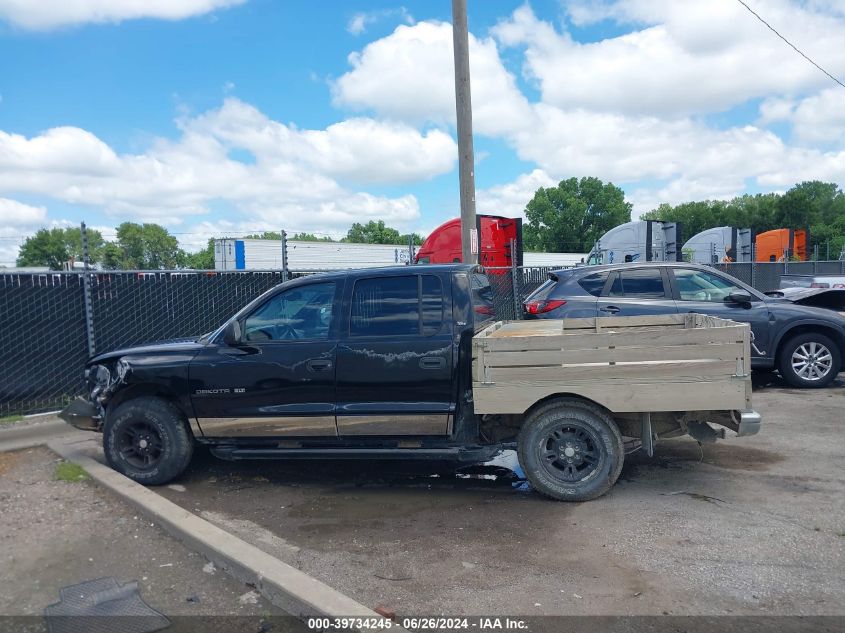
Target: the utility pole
(466, 158)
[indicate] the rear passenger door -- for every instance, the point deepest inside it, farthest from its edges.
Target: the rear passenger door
(637, 291)
(394, 362)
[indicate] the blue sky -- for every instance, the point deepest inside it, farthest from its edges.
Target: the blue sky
(218, 117)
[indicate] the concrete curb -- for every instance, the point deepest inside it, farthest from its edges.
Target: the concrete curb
(287, 587)
(29, 435)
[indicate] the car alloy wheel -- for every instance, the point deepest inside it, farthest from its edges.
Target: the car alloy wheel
(812, 361)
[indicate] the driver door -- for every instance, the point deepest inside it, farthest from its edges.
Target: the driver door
(707, 292)
(280, 380)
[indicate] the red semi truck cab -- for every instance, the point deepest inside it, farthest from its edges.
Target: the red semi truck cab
(497, 232)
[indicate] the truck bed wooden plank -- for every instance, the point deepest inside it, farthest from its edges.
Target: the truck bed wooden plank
(681, 395)
(711, 351)
(672, 370)
(617, 338)
(542, 327)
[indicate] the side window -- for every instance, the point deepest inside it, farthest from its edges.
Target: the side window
(593, 283)
(397, 306)
(483, 300)
(385, 306)
(697, 285)
(642, 283)
(431, 302)
(298, 313)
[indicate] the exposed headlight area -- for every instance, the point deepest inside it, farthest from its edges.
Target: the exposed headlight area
(102, 381)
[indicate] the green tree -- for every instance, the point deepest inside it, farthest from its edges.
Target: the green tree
(202, 259)
(816, 205)
(145, 247)
(373, 232)
(264, 235)
(310, 237)
(46, 248)
(54, 247)
(573, 215)
(112, 256)
(418, 239)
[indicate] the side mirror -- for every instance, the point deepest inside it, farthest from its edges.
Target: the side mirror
(232, 333)
(740, 297)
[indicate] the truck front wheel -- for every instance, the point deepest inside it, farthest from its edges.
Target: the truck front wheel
(147, 440)
(570, 450)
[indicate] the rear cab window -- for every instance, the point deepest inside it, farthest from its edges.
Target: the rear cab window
(407, 305)
(483, 300)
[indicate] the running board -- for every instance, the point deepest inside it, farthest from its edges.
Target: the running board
(475, 454)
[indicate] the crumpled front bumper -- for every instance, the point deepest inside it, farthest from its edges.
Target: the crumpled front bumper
(82, 414)
(749, 423)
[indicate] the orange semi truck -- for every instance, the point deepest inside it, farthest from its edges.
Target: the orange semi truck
(773, 246)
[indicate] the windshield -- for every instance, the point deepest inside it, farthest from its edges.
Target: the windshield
(209, 336)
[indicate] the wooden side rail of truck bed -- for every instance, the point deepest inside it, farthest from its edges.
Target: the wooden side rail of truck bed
(679, 362)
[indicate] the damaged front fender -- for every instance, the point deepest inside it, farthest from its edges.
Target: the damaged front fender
(88, 413)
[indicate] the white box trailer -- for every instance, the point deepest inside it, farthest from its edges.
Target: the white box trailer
(256, 254)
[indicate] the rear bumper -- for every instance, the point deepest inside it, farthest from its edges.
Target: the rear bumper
(749, 423)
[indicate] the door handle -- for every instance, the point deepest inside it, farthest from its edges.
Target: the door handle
(318, 364)
(432, 362)
(610, 309)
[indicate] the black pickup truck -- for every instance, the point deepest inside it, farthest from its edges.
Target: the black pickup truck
(355, 364)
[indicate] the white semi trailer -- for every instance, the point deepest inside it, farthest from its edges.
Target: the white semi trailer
(639, 241)
(720, 244)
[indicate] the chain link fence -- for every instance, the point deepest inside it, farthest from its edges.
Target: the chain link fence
(45, 339)
(765, 276)
(47, 331)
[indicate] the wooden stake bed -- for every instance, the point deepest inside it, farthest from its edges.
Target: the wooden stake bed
(678, 362)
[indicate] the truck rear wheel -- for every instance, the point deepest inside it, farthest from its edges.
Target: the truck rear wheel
(570, 450)
(147, 440)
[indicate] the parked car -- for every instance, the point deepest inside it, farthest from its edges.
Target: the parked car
(380, 363)
(830, 298)
(812, 281)
(804, 343)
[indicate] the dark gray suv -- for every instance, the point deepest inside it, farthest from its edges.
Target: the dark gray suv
(803, 343)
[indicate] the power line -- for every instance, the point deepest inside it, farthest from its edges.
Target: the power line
(795, 48)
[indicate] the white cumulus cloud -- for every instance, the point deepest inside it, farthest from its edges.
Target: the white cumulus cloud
(18, 213)
(359, 22)
(409, 76)
(302, 178)
(689, 57)
(50, 14)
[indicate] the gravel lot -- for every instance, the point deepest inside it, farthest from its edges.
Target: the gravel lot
(59, 533)
(747, 526)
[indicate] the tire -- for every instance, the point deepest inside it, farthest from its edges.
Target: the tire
(147, 440)
(809, 361)
(570, 429)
